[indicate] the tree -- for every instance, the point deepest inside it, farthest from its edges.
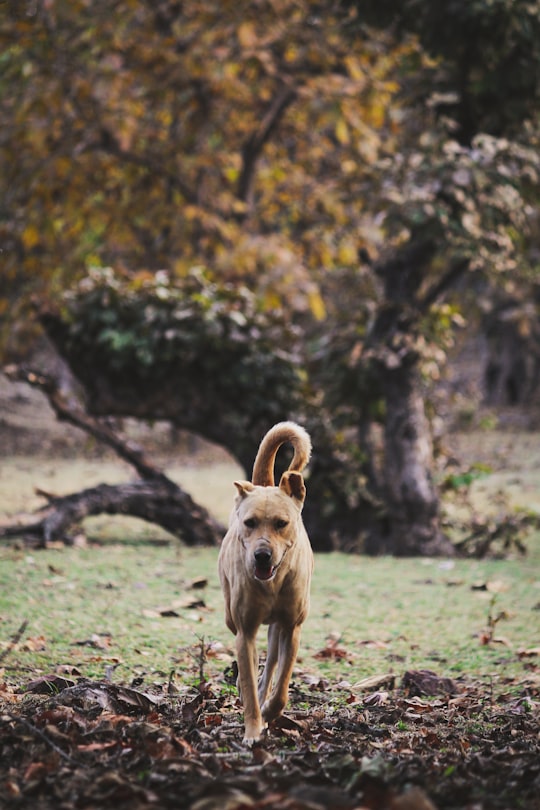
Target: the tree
(487, 76)
(280, 158)
(459, 204)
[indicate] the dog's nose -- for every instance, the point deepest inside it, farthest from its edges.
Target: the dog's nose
(263, 556)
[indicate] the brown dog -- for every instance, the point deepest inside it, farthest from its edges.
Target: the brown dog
(265, 567)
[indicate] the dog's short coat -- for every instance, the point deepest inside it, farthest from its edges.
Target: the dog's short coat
(265, 566)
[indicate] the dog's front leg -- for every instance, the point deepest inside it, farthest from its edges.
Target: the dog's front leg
(246, 652)
(289, 641)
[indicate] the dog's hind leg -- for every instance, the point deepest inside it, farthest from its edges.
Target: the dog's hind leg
(271, 661)
(289, 640)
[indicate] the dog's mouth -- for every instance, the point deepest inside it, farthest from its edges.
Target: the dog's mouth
(264, 571)
(264, 568)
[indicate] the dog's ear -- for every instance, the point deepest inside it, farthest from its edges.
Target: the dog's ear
(292, 484)
(244, 488)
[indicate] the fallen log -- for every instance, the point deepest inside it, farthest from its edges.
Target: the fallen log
(152, 501)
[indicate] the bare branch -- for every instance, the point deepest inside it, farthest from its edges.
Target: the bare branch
(255, 143)
(452, 275)
(69, 411)
(155, 498)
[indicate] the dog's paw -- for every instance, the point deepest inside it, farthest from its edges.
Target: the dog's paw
(252, 737)
(272, 708)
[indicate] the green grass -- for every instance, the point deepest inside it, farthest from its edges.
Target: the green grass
(396, 614)
(95, 607)
(100, 606)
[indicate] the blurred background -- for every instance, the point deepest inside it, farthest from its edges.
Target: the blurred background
(218, 215)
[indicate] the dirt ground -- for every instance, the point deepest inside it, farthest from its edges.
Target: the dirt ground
(418, 744)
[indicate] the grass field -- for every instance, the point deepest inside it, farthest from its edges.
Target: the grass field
(126, 604)
(141, 710)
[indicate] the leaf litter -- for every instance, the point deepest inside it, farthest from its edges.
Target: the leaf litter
(422, 743)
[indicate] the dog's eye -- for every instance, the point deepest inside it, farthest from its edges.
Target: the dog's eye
(280, 524)
(250, 523)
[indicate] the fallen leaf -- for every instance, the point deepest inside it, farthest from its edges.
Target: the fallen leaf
(68, 669)
(332, 648)
(413, 799)
(97, 746)
(133, 697)
(376, 699)
(530, 653)
(36, 771)
(198, 582)
(48, 685)
(375, 682)
(35, 644)
(426, 682)
(100, 642)
(375, 644)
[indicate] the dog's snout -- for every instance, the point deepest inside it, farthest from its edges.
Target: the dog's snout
(263, 555)
(263, 563)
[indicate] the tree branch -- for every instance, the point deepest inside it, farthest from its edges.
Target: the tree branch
(71, 412)
(109, 144)
(255, 143)
(454, 272)
(155, 498)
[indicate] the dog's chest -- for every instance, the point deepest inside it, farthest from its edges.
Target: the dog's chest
(275, 602)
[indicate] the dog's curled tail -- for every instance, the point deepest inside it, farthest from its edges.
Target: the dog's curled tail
(282, 433)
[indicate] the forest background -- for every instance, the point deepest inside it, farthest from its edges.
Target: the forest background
(223, 216)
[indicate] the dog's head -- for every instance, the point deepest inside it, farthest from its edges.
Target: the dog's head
(268, 522)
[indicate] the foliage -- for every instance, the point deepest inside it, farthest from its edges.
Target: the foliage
(284, 148)
(471, 201)
(489, 79)
(193, 334)
(173, 136)
(141, 135)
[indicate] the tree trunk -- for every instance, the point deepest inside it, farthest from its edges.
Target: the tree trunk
(411, 500)
(410, 524)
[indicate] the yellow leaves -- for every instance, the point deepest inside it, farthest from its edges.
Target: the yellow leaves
(63, 166)
(354, 68)
(376, 112)
(349, 166)
(291, 53)
(30, 237)
(239, 207)
(342, 132)
(232, 173)
(247, 36)
(271, 300)
(211, 222)
(325, 254)
(316, 305)
(231, 71)
(347, 254)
